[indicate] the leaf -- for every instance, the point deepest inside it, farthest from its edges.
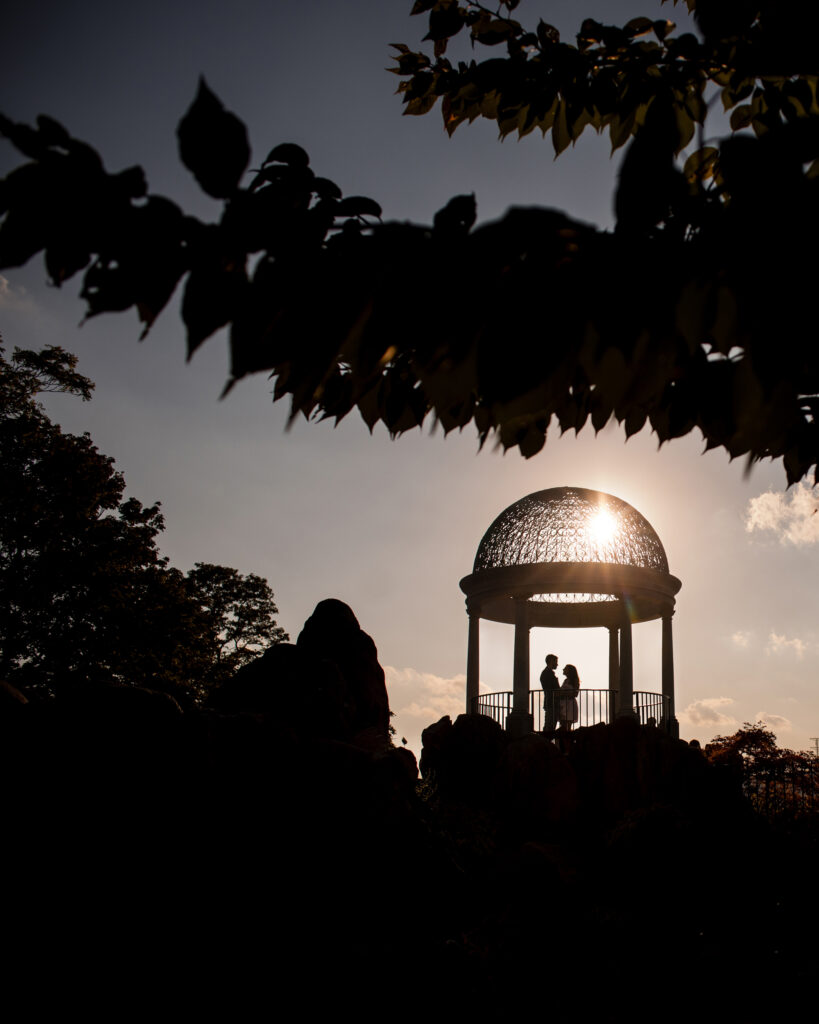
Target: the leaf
(695, 105)
(420, 105)
(457, 217)
(531, 441)
(213, 144)
(560, 129)
(146, 259)
(495, 31)
(638, 26)
(578, 123)
(685, 127)
(634, 422)
(63, 261)
(52, 132)
(288, 153)
(25, 230)
(326, 189)
(620, 130)
(444, 23)
(358, 206)
(799, 98)
(591, 31)
(699, 166)
(740, 89)
(663, 28)
(741, 117)
(371, 406)
(547, 34)
(22, 137)
(212, 297)
(130, 183)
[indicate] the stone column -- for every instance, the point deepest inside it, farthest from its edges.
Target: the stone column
(672, 725)
(625, 698)
(614, 670)
(473, 661)
(520, 722)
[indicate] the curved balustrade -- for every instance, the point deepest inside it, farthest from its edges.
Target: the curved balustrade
(593, 706)
(651, 708)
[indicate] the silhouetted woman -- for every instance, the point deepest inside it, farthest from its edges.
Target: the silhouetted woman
(567, 701)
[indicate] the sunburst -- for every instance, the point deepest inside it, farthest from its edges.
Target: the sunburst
(602, 527)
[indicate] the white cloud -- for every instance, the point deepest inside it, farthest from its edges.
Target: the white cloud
(706, 712)
(775, 722)
(14, 297)
(791, 515)
(420, 698)
(417, 692)
(778, 643)
(741, 638)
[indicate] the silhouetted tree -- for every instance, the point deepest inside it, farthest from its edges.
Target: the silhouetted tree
(696, 313)
(85, 594)
(241, 610)
(752, 743)
(774, 778)
(28, 374)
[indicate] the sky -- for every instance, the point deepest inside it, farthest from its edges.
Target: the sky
(390, 527)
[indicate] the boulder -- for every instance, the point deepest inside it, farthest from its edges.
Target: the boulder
(293, 687)
(462, 758)
(332, 635)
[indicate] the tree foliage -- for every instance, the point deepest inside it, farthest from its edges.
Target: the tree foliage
(241, 610)
(753, 743)
(697, 312)
(85, 594)
(775, 779)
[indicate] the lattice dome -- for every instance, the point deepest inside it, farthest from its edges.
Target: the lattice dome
(570, 524)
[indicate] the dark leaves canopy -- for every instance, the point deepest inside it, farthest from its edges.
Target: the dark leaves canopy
(697, 312)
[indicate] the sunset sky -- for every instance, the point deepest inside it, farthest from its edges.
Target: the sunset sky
(388, 526)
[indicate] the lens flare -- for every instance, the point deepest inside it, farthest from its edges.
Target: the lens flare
(602, 527)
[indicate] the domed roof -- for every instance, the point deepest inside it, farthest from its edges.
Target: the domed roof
(570, 525)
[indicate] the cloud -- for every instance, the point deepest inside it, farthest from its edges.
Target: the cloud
(741, 638)
(415, 692)
(793, 517)
(705, 712)
(775, 722)
(778, 643)
(14, 297)
(420, 698)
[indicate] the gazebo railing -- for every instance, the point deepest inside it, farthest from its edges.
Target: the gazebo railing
(651, 708)
(494, 705)
(593, 706)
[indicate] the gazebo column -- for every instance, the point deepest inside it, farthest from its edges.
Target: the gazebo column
(671, 724)
(520, 722)
(614, 670)
(473, 662)
(625, 697)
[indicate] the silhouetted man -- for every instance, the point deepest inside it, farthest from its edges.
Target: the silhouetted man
(551, 685)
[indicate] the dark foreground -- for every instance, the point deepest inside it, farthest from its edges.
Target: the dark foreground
(274, 856)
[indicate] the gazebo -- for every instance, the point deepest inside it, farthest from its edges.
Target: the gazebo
(572, 557)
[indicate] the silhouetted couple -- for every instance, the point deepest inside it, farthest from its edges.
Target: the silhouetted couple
(559, 702)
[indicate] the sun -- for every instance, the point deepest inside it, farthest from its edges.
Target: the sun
(602, 527)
